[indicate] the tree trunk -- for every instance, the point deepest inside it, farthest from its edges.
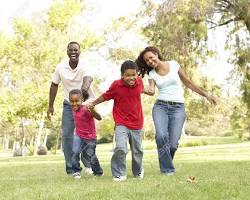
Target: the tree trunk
(5, 141)
(39, 133)
(46, 136)
(57, 139)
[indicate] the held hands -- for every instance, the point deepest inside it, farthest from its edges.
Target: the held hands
(90, 106)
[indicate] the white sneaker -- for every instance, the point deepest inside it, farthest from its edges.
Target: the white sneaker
(141, 174)
(88, 170)
(168, 173)
(119, 178)
(77, 175)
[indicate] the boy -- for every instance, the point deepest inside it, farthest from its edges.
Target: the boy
(84, 141)
(128, 117)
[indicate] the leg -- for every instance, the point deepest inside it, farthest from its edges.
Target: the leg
(176, 120)
(77, 145)
(67, 135)
(85, 161)
(90, 153)
(135, 141)
(161, 121)
(118, 160)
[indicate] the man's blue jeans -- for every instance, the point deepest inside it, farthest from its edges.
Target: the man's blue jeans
(68, 127)
(168, 120)
(87, 149)
(118, 161)
(67, 135)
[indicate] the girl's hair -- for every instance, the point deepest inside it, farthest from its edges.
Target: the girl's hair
(128, 64)
(84, 95)
(143, 68)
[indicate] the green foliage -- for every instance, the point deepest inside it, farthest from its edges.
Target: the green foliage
(28, 59)
(105, 129)
(62, 12)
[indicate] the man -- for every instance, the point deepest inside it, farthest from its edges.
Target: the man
(73, 76)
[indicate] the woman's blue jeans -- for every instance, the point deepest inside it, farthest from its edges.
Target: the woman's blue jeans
(168, 119)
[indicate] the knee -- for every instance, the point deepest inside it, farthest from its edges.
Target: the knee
(161, 138)
(120, 150)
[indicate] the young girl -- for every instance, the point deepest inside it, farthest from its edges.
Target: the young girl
(84, 141)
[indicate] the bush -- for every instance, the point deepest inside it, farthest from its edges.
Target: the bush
(17, 152)
(42, 150)
(194, 143)
(31, 149)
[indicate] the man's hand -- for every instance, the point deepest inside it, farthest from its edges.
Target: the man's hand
(50, 112)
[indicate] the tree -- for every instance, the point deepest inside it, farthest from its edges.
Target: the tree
(29, 58)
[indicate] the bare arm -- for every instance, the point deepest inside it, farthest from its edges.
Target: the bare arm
(95, 114)
(92, 104)
(190, 84)
(52, 96)
(150, 89)
(87, 80)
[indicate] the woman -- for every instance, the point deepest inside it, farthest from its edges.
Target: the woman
(168, 111)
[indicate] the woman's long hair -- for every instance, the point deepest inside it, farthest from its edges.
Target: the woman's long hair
(143, 68)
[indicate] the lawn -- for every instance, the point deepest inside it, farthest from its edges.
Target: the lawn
(221, 172)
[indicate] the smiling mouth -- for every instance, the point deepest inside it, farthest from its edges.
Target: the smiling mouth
(73, 56)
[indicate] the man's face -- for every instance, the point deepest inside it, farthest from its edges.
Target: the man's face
(75, 101)
(73, 52)
(129, 76)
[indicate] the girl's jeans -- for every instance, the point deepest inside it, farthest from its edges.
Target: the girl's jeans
(86, 147)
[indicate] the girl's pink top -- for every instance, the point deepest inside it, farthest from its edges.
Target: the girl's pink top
(84, 123)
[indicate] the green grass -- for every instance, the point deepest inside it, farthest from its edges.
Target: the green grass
(221, 171)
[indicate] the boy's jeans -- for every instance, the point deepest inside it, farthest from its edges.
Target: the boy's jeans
(118, 161)
(87, 149)
(168, 120)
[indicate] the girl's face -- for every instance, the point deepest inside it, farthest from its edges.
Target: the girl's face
(129, 76)
(75, 101)
(151, 59)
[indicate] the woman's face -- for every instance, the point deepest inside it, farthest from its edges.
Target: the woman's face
(151, 59)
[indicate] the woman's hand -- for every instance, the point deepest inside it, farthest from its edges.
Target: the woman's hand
(211, 99)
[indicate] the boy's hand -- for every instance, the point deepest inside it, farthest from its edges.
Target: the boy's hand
(90, 106)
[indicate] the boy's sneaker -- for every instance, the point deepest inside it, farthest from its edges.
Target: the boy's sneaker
(77, 175)
(141, 174)
(119, 178)
(88, 170)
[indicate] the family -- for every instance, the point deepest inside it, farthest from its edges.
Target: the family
(79, 114)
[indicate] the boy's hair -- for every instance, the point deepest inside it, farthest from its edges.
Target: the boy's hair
(128, 64)
(84, 95)
(73, 42)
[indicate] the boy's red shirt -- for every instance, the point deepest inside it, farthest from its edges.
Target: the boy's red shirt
(127, 108)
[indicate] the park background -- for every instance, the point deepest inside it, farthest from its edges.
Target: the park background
(210, 40)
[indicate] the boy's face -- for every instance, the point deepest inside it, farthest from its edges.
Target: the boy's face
(75, 101)
(129, 76)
